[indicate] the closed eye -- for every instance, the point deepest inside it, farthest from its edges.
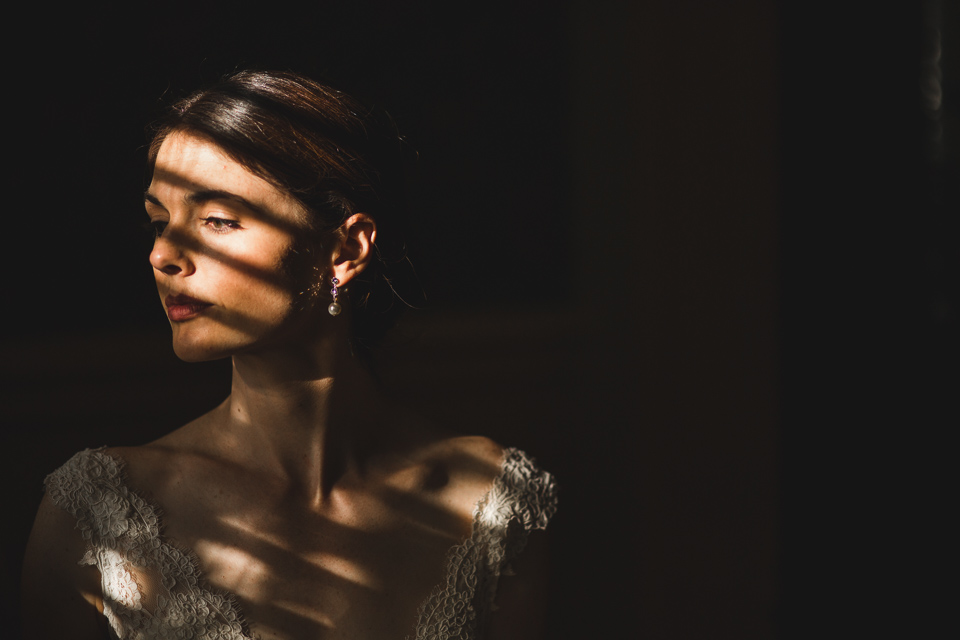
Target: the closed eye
(221, 225)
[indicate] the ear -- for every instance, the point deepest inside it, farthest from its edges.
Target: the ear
(355, 249)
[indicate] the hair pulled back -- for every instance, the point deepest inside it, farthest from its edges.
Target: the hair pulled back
(334, 155)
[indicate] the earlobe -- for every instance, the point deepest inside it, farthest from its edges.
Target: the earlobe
(356, 247)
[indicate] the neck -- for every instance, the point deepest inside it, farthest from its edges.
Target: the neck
(305, 415)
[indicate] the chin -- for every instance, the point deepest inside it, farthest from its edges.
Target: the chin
(194, 353)
(191, 347)
(196, 341)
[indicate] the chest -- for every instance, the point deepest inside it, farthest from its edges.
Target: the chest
(359, 567)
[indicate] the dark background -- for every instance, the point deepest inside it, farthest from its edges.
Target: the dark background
(696, 257)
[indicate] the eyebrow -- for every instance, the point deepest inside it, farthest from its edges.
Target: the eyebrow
(207, 195)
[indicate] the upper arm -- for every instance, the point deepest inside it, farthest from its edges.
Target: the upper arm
(522, 597)
(60, 598)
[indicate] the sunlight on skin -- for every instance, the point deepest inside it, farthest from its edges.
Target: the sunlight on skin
(311, 613)
(226, 556)
(250, 576)
(93, 599)
(242, 573)
(232, 567)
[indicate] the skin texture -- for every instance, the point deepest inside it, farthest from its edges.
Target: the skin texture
(323, 506)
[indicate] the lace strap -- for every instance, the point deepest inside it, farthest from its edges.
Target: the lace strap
(90, 487)
(531, 490)
(523, 498)
(123, 533)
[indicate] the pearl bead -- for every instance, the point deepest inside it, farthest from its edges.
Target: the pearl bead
(334, 309)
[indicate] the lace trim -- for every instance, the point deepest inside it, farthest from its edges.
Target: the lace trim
(523, 498)
(125, 544)
(124, 533)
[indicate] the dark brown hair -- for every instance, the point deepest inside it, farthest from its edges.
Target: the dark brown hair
(334, 155)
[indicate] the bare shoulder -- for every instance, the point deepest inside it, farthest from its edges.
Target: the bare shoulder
(53, 580)
(468, 459)
(56, 578)
(463, 469)
(146, 469)
(156, 466)
(522, 591)
(473, 451)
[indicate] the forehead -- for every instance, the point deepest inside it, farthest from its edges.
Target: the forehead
(187, 163)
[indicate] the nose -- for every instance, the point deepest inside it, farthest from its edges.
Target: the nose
(169, 256)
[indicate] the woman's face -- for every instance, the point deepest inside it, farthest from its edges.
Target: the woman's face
(229, 258)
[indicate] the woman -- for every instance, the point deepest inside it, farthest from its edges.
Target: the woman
(307, 505)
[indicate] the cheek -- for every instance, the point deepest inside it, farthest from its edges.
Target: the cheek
(259, 274)
(303, 276)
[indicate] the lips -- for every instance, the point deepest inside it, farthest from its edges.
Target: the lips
(181, 307)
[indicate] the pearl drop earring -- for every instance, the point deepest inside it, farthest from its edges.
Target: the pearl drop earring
(334, 309)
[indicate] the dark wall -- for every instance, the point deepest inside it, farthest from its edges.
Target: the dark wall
(869, 139)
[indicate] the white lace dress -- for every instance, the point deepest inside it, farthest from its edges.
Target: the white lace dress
(125, 542)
